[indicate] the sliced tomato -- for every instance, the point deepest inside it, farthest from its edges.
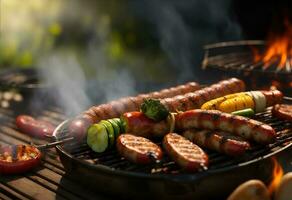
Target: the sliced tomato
(34, 127)
(17, 159)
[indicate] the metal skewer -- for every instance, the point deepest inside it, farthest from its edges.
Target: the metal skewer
(53, 144)
(287, 98)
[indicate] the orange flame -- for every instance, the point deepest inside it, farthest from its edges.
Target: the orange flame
(277, 176)
(279, 49)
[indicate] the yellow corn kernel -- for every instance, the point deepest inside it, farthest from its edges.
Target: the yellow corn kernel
(240, 102)
(215, 103)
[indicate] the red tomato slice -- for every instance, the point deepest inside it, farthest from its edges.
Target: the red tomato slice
(18, 159)
(33, 127)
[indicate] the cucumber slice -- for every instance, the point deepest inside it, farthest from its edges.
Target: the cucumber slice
(97, 138)
(245, 112)
(121, 125)
(110, 131)
(116, 127)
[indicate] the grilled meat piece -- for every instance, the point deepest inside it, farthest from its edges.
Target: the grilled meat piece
(219, 141)
(215, 120)
(138, 149)
(138, 124)
(283, 111)
(186, 154)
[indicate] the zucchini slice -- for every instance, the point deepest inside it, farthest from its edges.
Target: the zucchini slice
(97, 138)
(110, 131)
(120, 124)
(116, 127)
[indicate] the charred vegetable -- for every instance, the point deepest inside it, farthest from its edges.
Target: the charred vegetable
(153, 109)
(256, 100)
(17, 159)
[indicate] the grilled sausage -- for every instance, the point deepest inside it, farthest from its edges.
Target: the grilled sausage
(273, 97)
(283, 111)
(138, 124)
(215, 120)
(138, 149)
(198, 98)
(127, 104)
(186, 154)
(219, 141)
(188, 101)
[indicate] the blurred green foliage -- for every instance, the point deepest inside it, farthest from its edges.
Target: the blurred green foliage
(36, 28)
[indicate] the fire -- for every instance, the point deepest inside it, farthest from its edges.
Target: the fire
(277, 176)
(279, 49)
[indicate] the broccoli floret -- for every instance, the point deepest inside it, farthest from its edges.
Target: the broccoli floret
(153, 109)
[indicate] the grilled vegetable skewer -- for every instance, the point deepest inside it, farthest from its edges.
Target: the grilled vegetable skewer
(256, 100)
(103, 135)
(137, 123)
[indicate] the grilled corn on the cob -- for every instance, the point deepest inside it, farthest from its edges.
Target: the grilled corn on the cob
(255, 100)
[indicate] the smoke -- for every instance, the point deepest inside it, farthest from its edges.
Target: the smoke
(64, 75)
(111, 81)
(184, 27)
(181, 28)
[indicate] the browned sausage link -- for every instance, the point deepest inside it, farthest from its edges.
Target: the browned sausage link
(173, 91)
(218, 141)
(273, 97)
(138, 149)
(198, 98)
(185, 153)
(127, 104)
(215, 120)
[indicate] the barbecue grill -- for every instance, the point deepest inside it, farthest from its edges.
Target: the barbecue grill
(237, 58)
(108, 172)
(240, 56)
